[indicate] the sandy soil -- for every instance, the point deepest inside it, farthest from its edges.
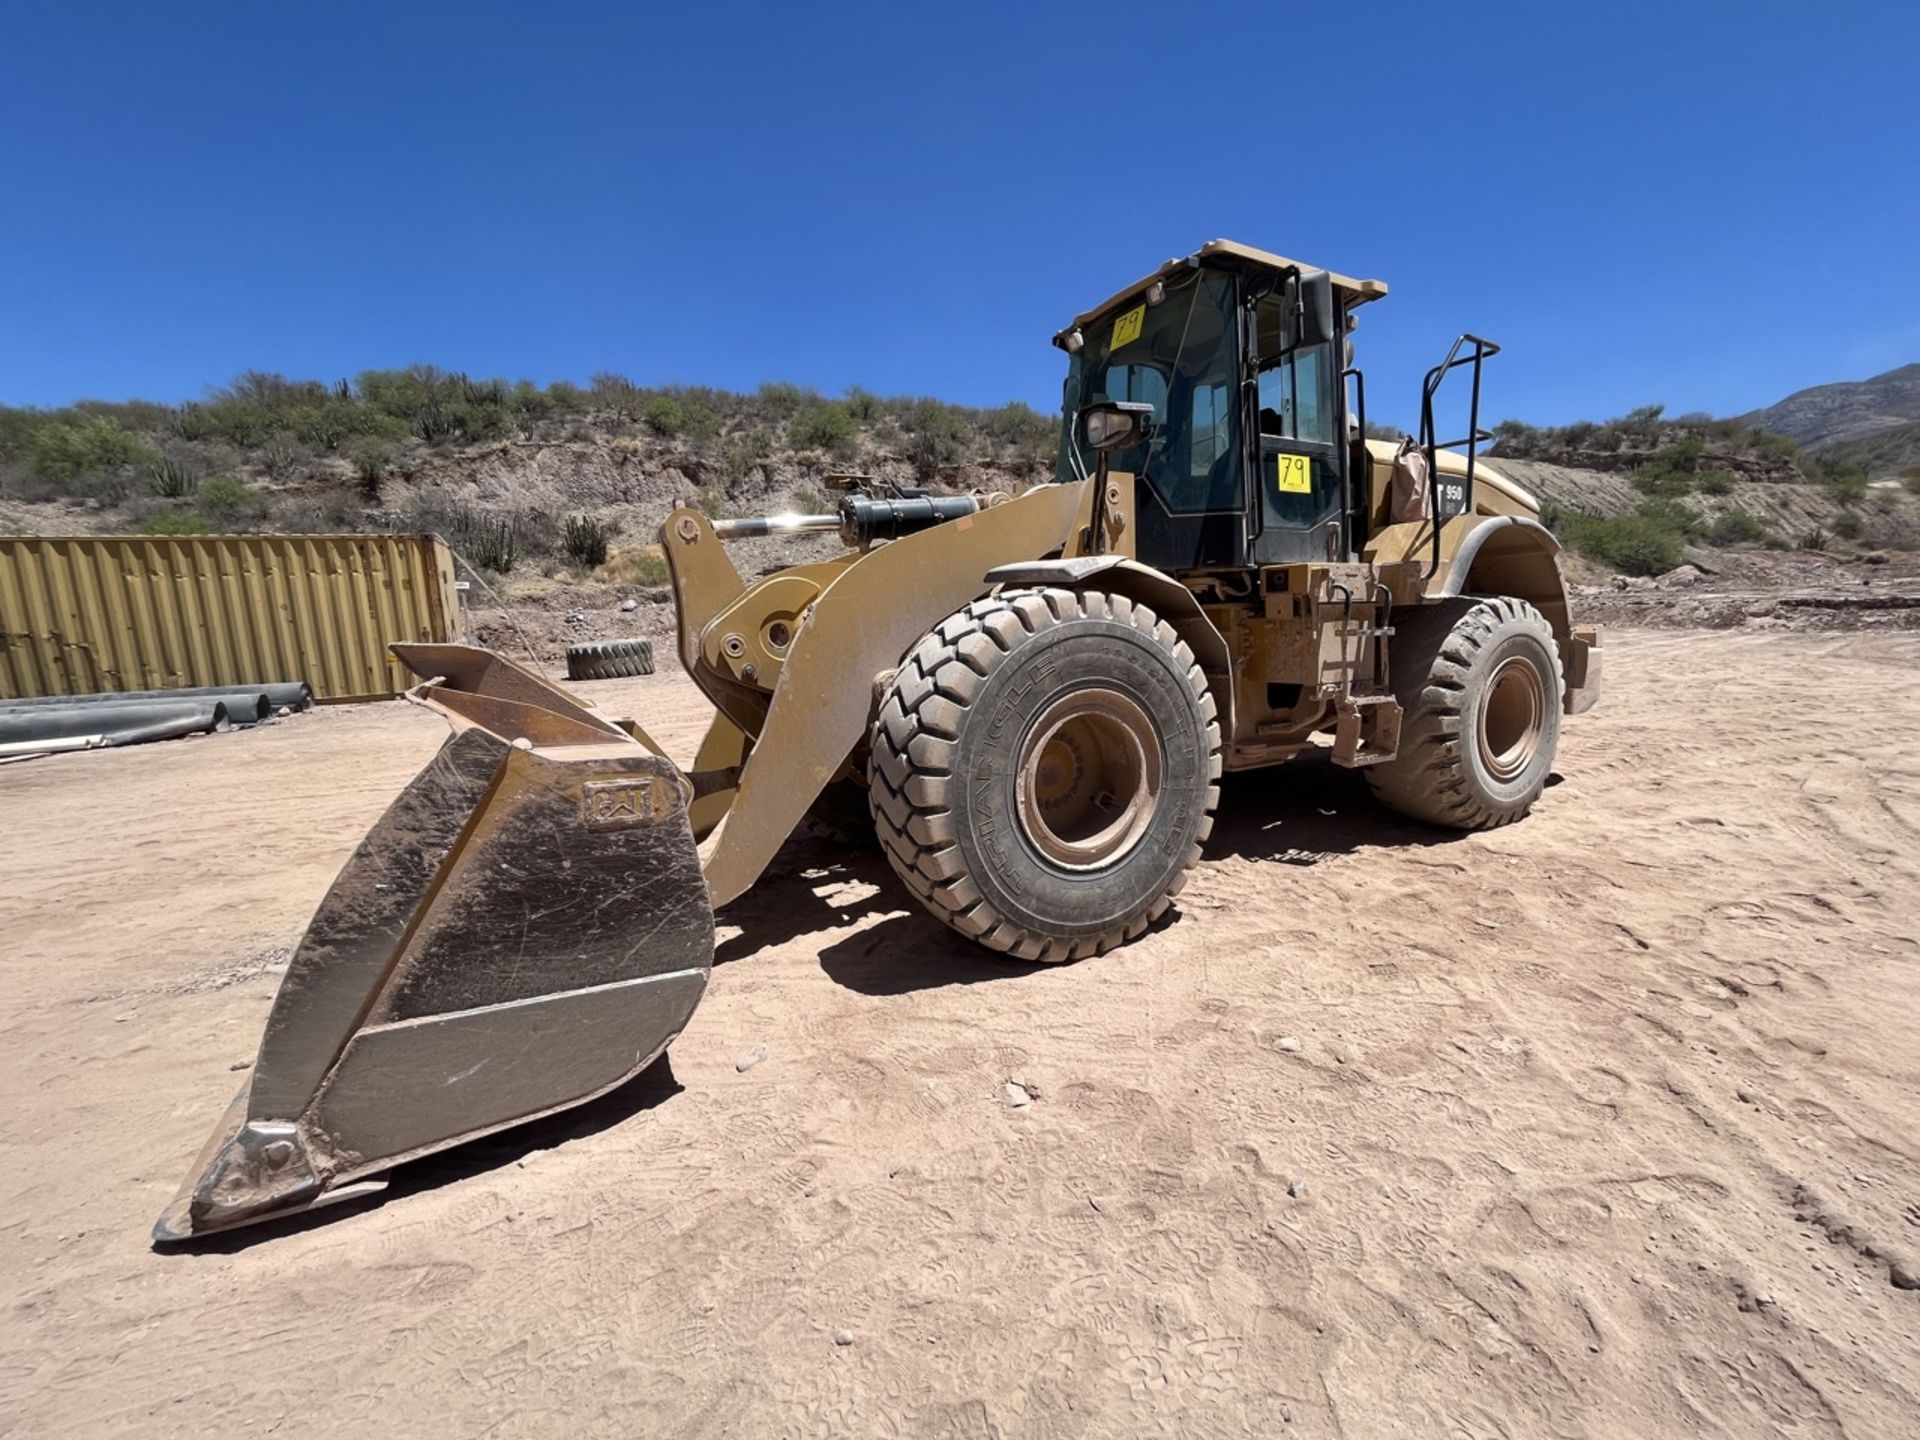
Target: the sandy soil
(1607, 1124)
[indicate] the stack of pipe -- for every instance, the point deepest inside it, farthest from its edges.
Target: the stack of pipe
(52, 723)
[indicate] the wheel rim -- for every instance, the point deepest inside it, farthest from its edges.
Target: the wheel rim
(1089, 779)
(1511, 718)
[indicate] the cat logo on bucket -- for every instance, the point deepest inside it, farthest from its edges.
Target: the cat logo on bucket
(622, 804)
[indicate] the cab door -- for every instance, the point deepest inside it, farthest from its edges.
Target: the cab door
(1300, 467)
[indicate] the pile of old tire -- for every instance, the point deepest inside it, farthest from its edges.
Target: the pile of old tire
(609, 659)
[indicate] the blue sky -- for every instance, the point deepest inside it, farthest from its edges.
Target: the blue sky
(1706, 204)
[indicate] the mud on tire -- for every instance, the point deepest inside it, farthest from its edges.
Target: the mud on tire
(1045, 765)
(1479, 684)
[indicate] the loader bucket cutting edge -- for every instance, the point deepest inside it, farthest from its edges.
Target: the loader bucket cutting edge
(524, 929)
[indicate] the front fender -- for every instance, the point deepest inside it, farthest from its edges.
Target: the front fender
(1155, 589)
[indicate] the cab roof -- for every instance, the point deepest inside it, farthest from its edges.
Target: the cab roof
(1228, 254)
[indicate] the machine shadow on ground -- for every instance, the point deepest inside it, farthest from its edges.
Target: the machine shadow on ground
(1299, 813)
(651, 1087)
(1308, 810)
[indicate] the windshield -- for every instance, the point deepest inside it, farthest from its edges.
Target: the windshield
(1177, 356)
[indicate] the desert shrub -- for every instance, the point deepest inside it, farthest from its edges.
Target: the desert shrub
(1814, 539)
(741, 455)
(241, 422)
(1911, 479)
(278, 458)
(1668, 473)
(585, 540)
(936, 436)
(1736, 527)
(865, 406)
(711, 502)
(370, 461)
(17, 429)
(106, 487)
(642, 566)
(1661, 482)
(172, 478)
(610, 387)
(223, 496)
(824, 426)
(565, 395)
(65, 449)
(809, 500)
(1665, 511)
(1683, 454)
(782, 397)
(1847, 525)
(175, 522)
(1022, 430)
(1515, 437)
(1715, 482)
(1845, 484)
(491, 541)
(664, 415)
(1778, 447)
(704, 421)
(482, 394)
(1643, 542)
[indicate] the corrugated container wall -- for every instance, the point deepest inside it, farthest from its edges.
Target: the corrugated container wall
(85, 613)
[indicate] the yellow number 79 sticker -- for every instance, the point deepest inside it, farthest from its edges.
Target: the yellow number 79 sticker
(1127, 328)
(1296, 474)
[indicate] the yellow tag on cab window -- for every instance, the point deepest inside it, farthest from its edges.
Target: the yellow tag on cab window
(1127, 328)
(1296, 474)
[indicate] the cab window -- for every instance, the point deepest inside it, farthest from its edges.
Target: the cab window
(1296, 401)
(1210, 431)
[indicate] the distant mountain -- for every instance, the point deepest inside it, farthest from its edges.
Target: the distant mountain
(1847, 411)
(1892, 450)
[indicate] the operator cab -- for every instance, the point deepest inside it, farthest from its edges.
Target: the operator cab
(1242, 356)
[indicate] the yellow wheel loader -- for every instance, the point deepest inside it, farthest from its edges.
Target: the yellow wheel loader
(1034, 696)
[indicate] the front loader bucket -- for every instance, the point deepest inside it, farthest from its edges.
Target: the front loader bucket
(524, 929)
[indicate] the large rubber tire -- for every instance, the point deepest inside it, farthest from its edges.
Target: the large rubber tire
(1479, 685)
(609, 659)
(1080, 706)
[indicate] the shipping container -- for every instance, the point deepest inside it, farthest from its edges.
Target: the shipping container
(87, 613)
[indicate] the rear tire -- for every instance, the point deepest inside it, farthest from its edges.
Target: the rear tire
(1045, 765)
(1479, 685)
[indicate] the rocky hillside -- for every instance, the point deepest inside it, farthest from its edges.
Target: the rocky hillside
(1640, 492)
(522, 480)
(551, 494)
(1850, 410)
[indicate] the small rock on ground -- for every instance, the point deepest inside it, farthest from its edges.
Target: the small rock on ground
(752, 1058)
(1019, 1096)
(843, 1337)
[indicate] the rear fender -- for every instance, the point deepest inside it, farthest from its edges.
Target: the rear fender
(1504, 555)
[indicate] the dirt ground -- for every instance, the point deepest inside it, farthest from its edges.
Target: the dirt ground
(1607, 1124)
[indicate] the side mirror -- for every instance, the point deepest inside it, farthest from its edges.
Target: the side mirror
(1314, 307)
(1116, 424)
